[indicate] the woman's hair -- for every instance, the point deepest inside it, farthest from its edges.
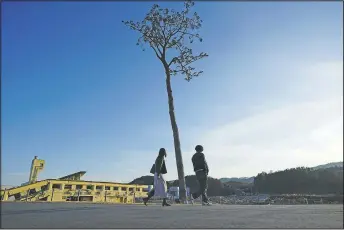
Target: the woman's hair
(199, 148)
(162, 152)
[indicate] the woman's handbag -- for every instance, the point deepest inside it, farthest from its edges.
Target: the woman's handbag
(153, 169)
(162, 171)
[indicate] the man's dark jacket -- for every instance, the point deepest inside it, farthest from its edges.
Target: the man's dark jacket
(199, 162)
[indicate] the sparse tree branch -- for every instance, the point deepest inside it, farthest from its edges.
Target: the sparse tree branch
(165, 29)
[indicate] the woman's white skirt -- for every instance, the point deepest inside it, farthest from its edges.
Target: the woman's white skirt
(160, 186)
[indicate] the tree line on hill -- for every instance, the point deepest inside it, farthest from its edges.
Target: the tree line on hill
(301, 180)
(290, 181)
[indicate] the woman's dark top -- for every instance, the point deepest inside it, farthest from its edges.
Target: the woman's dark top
(159, 166)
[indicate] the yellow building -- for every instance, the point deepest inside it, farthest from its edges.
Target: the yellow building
(72, 189)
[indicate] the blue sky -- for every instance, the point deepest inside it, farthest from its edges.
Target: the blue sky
(77, 91)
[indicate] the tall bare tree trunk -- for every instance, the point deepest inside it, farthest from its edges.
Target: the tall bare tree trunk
(177, 149)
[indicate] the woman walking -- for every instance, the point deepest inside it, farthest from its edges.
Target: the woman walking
(160, 186)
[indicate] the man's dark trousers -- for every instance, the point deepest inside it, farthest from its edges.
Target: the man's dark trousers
(202, 178)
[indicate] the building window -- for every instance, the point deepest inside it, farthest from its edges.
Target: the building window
(90, 187)
(131, 189)
(56, 186)
(107, 187)
(99, 187)
(68, 186)
(78, 186)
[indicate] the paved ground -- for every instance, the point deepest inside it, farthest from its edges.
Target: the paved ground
(69, 215)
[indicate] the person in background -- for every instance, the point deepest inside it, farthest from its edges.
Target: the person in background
(201, 169)
(160, 186)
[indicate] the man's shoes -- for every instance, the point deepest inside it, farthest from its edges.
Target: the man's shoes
(164, 203)
(206, 203)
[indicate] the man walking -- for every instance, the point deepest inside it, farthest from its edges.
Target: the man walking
(201, 169)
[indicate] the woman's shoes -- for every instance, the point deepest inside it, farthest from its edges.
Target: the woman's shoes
(164, 202)
(145, 200)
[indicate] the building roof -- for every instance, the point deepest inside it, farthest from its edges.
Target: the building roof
(73, 175)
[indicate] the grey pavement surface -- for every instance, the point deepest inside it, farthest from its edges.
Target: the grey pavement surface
(71, 215)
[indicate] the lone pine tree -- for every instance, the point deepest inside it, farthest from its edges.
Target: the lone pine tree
(169, 33)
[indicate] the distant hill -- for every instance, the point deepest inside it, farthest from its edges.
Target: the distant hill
(144, 180)
(250, 180)
(322, 179)
(301, 180)
(329, 165)
(247, 180)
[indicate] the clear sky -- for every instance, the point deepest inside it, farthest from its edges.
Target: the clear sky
(77, 92)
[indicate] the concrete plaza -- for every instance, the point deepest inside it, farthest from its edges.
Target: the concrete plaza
(83, 215)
